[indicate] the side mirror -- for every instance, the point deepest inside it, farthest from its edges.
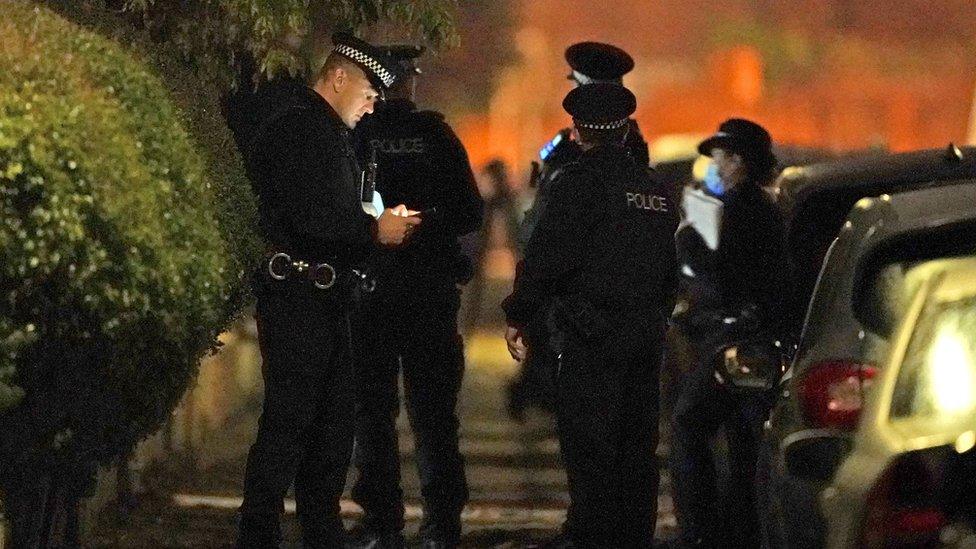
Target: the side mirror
(814, 455)
(754, 365)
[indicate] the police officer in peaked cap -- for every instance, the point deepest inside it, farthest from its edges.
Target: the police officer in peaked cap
(595, 62)
(599, 271)
(743, 279)
(304, 171)
(410, 321)
(590, 63)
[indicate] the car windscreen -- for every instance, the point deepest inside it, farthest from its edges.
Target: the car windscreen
(938, 375)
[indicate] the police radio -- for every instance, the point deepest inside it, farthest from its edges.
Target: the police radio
(536, 174)
(370, 198)
(547, 149)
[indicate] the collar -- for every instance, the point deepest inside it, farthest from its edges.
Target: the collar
(319, 102)
(398, 104)
(606, 150)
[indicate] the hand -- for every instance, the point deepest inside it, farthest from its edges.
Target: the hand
(516, 347)
(403, 211)
(393, 229)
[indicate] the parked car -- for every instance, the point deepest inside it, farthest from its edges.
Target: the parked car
(910, 477)
(816, 198)
(861, 290)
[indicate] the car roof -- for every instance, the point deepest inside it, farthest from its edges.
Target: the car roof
(896, 171)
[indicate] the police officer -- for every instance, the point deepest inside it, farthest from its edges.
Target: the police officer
(600, 269)
(411, 319)
(305, 173)
(747, 272)
(589, 62)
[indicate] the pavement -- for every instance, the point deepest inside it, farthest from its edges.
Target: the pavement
(517, 485)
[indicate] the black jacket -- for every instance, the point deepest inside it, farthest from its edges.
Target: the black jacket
(563, 154)
(751, 260)
(306, 177)
(607, 235)
(422, 164)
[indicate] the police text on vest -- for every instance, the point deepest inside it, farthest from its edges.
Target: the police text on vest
(647, 202)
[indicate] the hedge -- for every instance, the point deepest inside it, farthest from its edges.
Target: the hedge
(126, 235)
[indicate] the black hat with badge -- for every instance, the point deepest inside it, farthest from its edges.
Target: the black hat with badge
(381, 71)
(405, 56)
(600, 106)
(743, 137)
(598, 62)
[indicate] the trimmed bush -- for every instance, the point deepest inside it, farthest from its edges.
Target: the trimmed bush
(124, 244)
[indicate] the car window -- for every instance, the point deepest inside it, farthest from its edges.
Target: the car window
(938, 375)
(885, 297)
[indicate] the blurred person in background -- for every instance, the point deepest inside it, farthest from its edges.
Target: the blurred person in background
(501, 211)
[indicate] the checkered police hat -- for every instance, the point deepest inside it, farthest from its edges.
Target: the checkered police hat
(600, 106)
(380, 69)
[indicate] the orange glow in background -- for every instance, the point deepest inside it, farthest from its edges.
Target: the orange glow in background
(902, 88)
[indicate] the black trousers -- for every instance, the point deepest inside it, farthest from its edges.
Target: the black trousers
(705, 518)
(306, 428)
(415, 330)
(607, 414)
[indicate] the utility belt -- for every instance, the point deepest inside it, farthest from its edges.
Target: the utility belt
(579, 318)
(433, 266)
(279, 269)
(575, 317)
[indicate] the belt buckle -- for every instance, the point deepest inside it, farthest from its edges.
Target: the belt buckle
(321, 282)
(271, 265)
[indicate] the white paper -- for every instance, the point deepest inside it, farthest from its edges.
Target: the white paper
(704, 213)
(374, 208)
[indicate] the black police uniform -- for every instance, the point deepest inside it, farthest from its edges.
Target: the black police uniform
(591, 62)
(559, 152)
(411, 320)
(304, 171)
(600, 269)
(747, 271)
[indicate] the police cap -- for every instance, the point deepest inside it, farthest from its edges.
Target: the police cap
(404, 55)
(597, 62)
(600, 106)
(379, 68)
(745, 138)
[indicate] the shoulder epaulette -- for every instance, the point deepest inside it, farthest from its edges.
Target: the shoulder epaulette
(433, 115)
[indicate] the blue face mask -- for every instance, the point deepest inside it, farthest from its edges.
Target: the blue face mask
(712, 180)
